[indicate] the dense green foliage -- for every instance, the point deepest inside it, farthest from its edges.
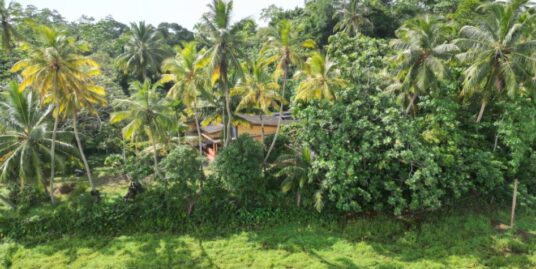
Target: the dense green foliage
(404, 108)
(239, 168)
(455, 240)
(184, 175)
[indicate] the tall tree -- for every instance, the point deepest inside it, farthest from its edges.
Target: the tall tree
(186, 71)
(320, 79)
(284, 49)
(421, 46)
(144, 51)
(258, 90)
(7, 28)
(352, 16)
(223, 53)
(147, 114)
(24, 147)
(57, 70)
(500, 52)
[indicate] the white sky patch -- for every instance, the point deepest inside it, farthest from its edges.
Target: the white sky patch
(184, 12)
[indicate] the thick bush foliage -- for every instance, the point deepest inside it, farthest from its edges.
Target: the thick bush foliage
(239, 167)
(184, 177)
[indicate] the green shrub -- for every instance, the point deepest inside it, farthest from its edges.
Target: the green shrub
(184, 177)
(27, 197)
(239, 168)
(114, 161)
(372, 157)
(138, 168)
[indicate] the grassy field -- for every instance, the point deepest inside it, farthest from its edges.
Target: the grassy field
(461, 240)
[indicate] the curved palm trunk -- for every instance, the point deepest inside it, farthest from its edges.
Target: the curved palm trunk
(411, 103)
(200, 139)
(262, 141)
(514, 201)
(155, 157)
(53, 161)
(81, 149)
(7, 202)
(228, 110)
(481, 113)
(277, 129)
(191, 205)
(262, 129)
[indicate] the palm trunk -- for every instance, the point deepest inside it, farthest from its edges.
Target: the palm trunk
(481, 113)
(514, 201)
(262, 129)
(298, 198)
(200, 139)
(411, 103)
(155, 157)
(277, 129)
(228, 110)
(53, 161)
(7, 202)
(145, 77)
(191, 205)
(81, 149)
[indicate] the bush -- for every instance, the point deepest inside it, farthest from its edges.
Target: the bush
(114, 161)
(155, 210)
(184, 177)
(138, 168)
(27, 197)
(239, 168)
(372, 157)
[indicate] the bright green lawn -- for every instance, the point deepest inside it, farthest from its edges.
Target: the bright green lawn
(459, 241)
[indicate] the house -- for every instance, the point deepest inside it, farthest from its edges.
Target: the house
(253, 124)
(249, 124)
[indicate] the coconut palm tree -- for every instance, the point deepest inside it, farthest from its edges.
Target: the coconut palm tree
(63, 77)
(24, 147)
(258, 91)
(421, 47)
(351, 15)
(284, 48)
(144, 51)
(186, 71)
(294, 167)
(320, 79)
(223, 52)
(500, 52)
(7, 28)
(147, 114)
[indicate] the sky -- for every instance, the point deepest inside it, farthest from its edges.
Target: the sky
(184, 12)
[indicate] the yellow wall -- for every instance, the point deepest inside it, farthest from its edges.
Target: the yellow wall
(255, 131)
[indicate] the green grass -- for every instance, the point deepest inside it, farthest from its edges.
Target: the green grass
(461, 240)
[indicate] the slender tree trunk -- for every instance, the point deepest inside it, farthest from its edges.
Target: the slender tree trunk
(191, 205)
(228, 111)
(7, 202)
(411, 103)
(481, 113)
(198, 128)
(277, 129)
(262, 129)
(224, 124)
(155, 157)
(53, 160)
(298, 198)
(514, 201)
(81, 149)
(145, 77)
